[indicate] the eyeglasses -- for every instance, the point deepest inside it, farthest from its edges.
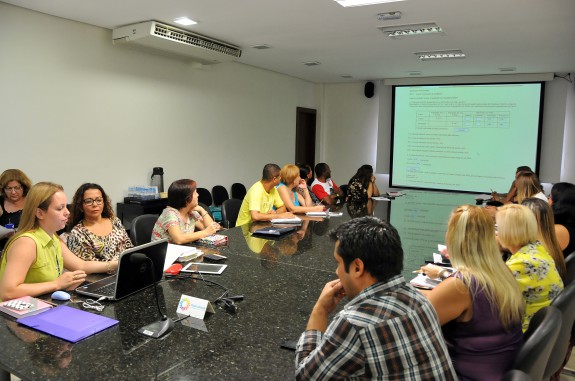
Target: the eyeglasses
(92, 201)
(17, 188)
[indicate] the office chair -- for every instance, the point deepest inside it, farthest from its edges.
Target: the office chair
(204, 196)
(516, 375)
(238, 191)
(207, 209)
(570, 264)
(565, 303)
(230, 211)
(344, 190)
(141, 230)
(540, 338)
(220, 195)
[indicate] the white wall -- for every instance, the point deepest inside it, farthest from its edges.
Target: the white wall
(75, 108)
(349, 128)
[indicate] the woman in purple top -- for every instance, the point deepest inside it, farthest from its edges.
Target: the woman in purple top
(480, 305)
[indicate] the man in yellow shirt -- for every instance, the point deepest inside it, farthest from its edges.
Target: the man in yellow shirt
(262, 197)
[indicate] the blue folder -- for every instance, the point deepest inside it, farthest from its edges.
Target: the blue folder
(68, 323)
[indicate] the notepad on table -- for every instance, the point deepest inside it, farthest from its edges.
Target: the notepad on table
(425, 282)
(24, 306)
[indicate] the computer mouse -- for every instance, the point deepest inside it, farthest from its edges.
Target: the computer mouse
(61, 295)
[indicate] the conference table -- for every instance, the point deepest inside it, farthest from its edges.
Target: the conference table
(280, 279)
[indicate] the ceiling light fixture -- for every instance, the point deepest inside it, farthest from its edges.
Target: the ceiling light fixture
(440, 55)
(358, 3)
(398, 31)
(396, 15)
(261, 46)
(185, 21)
(311, 63)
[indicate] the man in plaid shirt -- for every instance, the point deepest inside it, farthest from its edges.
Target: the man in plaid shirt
(387, 330)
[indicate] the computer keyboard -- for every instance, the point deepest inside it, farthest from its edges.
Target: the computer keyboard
(106, 290)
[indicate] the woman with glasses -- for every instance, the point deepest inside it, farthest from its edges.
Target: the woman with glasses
(15, 186)
(35, 261)
(97, 234)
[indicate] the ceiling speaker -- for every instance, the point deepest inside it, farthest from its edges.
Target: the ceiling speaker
(369, 89)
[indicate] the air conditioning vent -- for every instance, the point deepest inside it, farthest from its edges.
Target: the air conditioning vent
(161, 37)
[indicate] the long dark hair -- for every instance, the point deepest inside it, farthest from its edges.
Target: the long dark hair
(78, 203)
(563, 203)
(363, 174)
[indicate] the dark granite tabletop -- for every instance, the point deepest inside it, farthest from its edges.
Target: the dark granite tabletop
(280, 279)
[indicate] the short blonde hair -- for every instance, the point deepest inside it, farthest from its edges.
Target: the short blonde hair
(289, 173)
(517, 225)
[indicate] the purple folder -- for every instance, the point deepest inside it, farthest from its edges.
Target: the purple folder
(68, 323)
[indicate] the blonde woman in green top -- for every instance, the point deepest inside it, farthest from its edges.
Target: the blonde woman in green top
(35, 259)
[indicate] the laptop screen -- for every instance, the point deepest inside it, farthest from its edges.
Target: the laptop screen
(140, 267)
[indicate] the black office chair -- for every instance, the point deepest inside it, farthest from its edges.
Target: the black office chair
(141, 230)
(539, 340)
(238, 191)
(220, 194)
(516, 375)
(565, 303)
(344, 190)
(204, 196)
(570, 264)
(207, 209)
(230, 211)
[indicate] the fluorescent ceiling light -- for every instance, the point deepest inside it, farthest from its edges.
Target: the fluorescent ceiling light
(398, 31)
(440, 55)
(184, 21)
(357, 3)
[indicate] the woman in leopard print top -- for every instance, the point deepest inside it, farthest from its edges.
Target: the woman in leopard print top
(97, 234)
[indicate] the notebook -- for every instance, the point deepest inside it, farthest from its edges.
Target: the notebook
(134, 272)
(24, 306)
(275, 230)
(68, 323)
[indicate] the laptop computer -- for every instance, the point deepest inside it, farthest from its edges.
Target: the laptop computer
(134, 272)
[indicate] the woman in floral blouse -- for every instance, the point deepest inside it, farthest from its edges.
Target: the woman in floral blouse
(533, 267)
(361, 186)
(97, 234)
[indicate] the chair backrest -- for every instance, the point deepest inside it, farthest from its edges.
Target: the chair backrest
(343, 188)
(565, 303)
(204, 196)
(141, 230)
(516, 375)
(220, 195)
(238, 191)
(207, 209)
(540, 338)
(230, 210)
(570, 264)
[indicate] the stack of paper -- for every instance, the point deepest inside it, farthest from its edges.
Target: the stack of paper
(425, 282)
(294, 221)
